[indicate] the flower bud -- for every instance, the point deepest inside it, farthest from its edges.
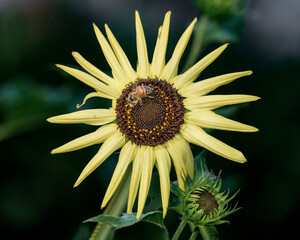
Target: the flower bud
(202, 203)
(219, 9)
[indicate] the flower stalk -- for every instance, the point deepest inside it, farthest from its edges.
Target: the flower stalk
(114, 208)
(194, 235)
(197, 44)
(179, 229)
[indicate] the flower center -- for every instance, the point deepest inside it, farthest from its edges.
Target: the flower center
(207, 202)
(149, 112)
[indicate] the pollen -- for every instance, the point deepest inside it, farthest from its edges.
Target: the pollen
(156, 117)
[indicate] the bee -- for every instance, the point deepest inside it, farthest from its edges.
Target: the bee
(137, 93)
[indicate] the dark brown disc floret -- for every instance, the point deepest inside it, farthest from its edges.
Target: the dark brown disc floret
(154, 117)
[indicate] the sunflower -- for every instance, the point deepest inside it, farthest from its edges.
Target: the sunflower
(155, 113)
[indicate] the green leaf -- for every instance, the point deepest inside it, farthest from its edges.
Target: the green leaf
(177, 208)
(214, 33)
(126, 220)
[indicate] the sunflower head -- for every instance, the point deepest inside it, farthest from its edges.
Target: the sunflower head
(155, 113)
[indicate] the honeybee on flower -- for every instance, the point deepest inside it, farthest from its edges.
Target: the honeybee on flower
(138, 92)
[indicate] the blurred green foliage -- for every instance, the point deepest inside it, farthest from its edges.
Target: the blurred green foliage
(37, 200)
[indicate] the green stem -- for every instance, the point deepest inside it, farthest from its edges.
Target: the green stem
(179, 230)
(204, 233)
(114, 208)
(197, 44)
(194, 235)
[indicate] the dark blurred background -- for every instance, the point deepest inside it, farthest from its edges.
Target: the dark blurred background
(37, 200)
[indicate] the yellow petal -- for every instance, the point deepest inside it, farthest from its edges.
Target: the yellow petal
(95, 117)
(198, 136)
(155, 54)
(111, 144)
(178, 160)
(143, 63)
(190, 75)
(164, 167)
(90, 95)
(184, 147)
(147, 166)
(211, 102)
(158, 61)
(209, 119)
(105, 90)
(171, 68)
(205, 86)
(135, 177)
(126, 155)
(110, 56)
(99, 136)
(96, 72)
(121, 56)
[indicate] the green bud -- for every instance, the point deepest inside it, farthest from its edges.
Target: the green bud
(219, 9)
(202, 203)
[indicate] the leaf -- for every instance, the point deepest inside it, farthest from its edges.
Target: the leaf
(177, 208)
(126, 220)
(216, 33)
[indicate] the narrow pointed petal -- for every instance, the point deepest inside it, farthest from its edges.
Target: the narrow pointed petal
(147, 167)
(158, 61)
(211, 102)
(96, 72)
(185, 149)
(121, 56)
(198, 136)
(111, 144)
(135, 178)
(171, 68)
(99, 136)
(110, 56)
(95, 117)
(90, 95)
(143, 62)
(178, 161)
(205, 86)
(155, 54)
(105, 90)
(164, 166)
(209, 119)
(190, 75)
(126, 155)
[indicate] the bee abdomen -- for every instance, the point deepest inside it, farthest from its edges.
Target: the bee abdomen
(143, 90)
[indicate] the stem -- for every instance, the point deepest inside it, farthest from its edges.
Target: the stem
(179, 230)
(204, 233)
(196, 44)
(194, 235)
(114, 208)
